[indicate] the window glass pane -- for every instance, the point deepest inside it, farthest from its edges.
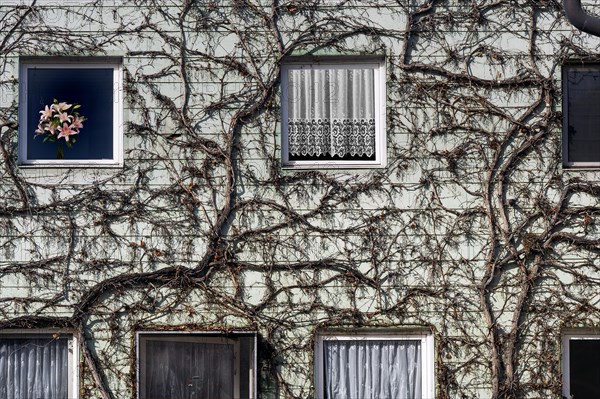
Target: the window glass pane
(331, 114)
(187, 369)
(91, 88)
(583, 119)
(584, 368)
(34, 368)
(372, 369)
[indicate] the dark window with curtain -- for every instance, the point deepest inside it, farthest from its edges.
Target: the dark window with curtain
(184, 366)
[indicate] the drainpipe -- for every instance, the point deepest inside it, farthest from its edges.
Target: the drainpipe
(580, 19)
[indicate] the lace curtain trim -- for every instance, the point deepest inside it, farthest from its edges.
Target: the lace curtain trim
(341, 137)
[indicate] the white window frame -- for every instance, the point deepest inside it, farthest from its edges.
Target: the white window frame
(565, 354)
(427, 353)
(73, 347)
(378, 66)
(74, 63)
(565, 122)
(203, 337)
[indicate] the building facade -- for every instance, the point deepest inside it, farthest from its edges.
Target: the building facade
(298, 199)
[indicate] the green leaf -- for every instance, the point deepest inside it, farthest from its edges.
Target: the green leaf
(76, 106)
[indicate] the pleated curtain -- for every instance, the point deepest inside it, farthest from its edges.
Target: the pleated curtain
(34, 368)
(187, 370)
(372, 369)
(331, 112)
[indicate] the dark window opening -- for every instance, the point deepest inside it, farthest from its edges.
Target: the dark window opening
(183, 366)
(582, 116)
(91, 88)
(584, 368)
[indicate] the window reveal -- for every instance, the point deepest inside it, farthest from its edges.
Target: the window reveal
(581, 115)
(93, 86)
(182, 366)
(581, 371)
(333, 114)
(374, 366)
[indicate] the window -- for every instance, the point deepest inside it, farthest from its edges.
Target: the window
(93, 84)
(38, 365)
(196, 365)
(581, 371)
(374, 366)
(581, 115)
(333, 114)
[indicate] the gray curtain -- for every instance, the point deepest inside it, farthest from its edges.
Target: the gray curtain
(34, 368)
(372, 369)
(188, 370)
(331, 111)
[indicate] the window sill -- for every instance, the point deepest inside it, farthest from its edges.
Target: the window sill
(308, 165)
(581, 169)
(72, 165)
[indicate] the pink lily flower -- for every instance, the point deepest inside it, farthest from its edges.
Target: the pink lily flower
(46, 113)
(52, 127)
(66, 131)
(77, 123)
(55, 115)
(64, 106)
(40, 130)
(64, 117)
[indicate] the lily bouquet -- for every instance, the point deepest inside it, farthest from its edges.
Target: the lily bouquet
(60, 120)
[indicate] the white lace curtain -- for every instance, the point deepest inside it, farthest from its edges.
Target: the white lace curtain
(331, 111)
(183, 370)
(372, 369)
(34, 368)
